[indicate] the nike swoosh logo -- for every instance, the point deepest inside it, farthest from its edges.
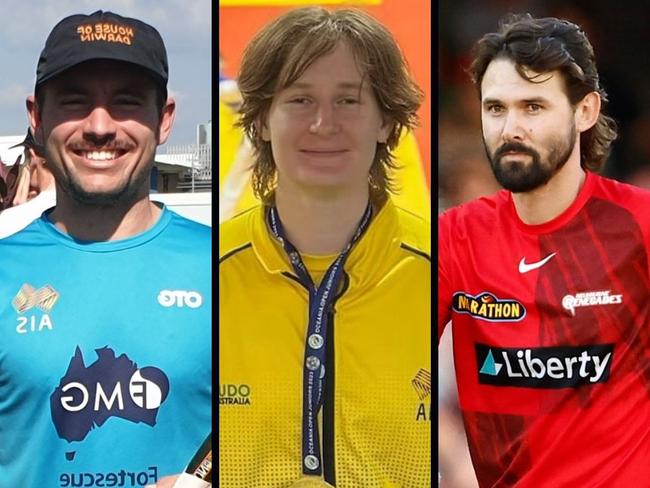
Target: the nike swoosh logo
(525, 268)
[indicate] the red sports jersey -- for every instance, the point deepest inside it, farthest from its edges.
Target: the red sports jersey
(551, 330)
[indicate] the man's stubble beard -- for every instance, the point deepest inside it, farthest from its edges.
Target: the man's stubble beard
(128, 192)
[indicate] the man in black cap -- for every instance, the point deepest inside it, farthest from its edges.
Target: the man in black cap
(108, 165)
(105, 373)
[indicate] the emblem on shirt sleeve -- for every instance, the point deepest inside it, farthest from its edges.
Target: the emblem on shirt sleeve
(422, 386)
(486, 306)
(422, 383)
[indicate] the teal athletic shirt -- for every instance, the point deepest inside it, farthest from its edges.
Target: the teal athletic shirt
(105, 360)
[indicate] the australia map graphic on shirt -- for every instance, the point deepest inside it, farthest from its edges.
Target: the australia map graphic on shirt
(87, 396)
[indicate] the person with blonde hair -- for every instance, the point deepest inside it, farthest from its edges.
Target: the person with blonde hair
(324, 310)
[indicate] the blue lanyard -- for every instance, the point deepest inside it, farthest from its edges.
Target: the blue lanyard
(320, 302)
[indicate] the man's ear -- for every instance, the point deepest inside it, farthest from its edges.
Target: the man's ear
(167, 117)
(587, 111)
(34, 115)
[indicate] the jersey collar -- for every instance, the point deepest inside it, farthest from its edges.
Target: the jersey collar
(367, 259)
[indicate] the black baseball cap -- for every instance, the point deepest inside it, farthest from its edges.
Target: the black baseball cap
(102, 35)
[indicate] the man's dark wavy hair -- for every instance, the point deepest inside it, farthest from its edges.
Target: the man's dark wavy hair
(548, 44)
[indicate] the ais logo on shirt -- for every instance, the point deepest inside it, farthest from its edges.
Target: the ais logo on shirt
(544, 367)
(488, 307)
(422, 385)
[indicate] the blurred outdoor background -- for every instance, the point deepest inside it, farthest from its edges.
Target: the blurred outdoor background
(619, 33)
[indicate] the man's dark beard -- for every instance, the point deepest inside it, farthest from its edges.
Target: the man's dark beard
(519, 177)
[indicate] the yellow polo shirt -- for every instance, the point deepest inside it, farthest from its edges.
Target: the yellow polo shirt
(375, 421)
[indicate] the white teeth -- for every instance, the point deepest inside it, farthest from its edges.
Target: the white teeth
(100, 155)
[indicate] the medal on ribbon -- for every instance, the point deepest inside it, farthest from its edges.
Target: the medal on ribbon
(321, 300)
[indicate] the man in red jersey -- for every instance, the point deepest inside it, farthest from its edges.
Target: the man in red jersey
(546, 283)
